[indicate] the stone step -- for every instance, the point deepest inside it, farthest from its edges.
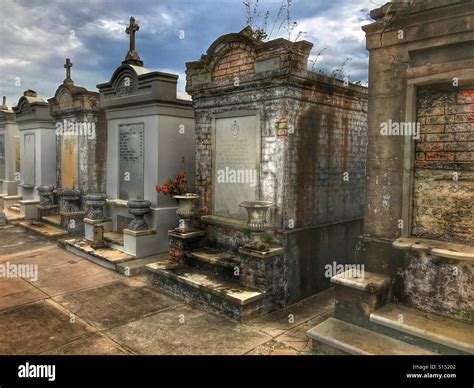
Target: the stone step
(106, 257)
(12, 197)
(334, 336)
(114, 238)
(135, 266)
(217, 262)
(358, 294)
(13, 217)
(15, 208)
(209, 291)
(369, 281)
(443, 335)
(44, 229)
(53, 219)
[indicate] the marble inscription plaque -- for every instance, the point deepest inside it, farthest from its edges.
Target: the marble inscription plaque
(29, 165)
(131, 161)
(236, 164)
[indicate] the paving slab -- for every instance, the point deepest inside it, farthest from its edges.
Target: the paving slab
(116, 303)
(37, 327)
(44, 229)
(297, 339)
(73, 276)
(17, 239)
(273, 348)
(276, 323)
(44, 257)
(199, 333)
(95, 344)
(17, 291)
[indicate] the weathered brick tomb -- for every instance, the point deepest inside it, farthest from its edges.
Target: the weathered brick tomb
(268, 129)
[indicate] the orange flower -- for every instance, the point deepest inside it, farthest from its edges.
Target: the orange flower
(166, 188)
(158, 188)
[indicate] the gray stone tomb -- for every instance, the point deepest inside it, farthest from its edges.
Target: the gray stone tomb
(149, 130)
(37, 150)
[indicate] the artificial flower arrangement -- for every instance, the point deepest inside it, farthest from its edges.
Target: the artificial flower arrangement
(175, 186)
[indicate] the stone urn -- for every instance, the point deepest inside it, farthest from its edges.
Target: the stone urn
(46, 194)
(185, 210)
(70, 199)
(96, 203)
(138, 208)
(257, 221)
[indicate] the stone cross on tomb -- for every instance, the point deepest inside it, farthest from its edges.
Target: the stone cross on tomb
(132, 57)
(68, 66)
(131, 30)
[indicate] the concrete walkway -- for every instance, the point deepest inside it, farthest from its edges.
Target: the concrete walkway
(78, 307)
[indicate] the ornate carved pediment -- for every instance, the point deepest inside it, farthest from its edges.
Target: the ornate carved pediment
(65, 99)
(127, 85)
(24, 107)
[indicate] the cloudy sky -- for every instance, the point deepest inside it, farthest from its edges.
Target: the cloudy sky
(37, 35)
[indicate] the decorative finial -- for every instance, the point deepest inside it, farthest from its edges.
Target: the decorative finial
(132, 57)
(30, 93)
(68, 66)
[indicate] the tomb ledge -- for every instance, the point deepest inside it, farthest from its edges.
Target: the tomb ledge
(438, 248)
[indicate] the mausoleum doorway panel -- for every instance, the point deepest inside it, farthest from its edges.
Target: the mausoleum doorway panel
(131, 139)
(28, 173)
(236, 163)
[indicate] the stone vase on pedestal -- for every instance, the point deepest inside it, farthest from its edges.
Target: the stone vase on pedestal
(70, 199)
(71, 214)
(256, 222)
(47, 205)
(138, 208)
(96, 203)
(185, 211)
(46, 195)
(95, 223)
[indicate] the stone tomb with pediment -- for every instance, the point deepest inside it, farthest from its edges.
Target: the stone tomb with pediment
(37, 150)
(269, 133)
(81, 144)
(150, 130)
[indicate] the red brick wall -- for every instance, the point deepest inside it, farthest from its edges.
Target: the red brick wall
(235, 63)
(444, 167)
(446, 116)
